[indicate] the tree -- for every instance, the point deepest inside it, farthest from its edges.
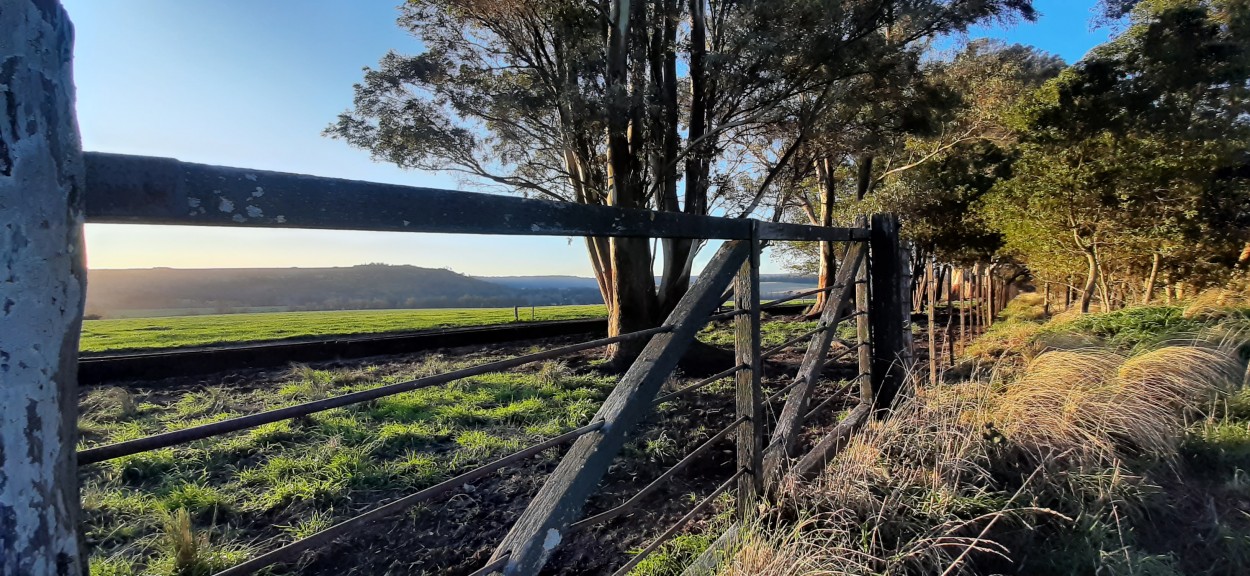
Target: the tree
(1134, 159)
(585, 101)
(932, 163)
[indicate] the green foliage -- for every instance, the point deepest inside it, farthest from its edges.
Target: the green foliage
(1136, 156)
(673, 557)
(1137, 327)
(201, 501)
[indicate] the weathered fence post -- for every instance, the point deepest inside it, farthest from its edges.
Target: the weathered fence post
(963, 308)
(931, 296)
(862, 330)
(886, 310)
(749, 400)
(41, 262)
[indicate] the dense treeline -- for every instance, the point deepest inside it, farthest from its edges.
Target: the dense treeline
(1119, 177)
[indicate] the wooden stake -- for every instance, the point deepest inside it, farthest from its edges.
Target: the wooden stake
(963, 307)
(931, 297)
(889, 282)
(862, 331)
(748, 398)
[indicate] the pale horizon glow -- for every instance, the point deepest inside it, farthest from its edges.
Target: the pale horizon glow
(131, 246)
(252, 84)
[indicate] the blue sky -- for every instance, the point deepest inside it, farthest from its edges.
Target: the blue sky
(252, 83)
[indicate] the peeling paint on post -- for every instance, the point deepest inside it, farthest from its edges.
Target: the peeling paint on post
(42, 280)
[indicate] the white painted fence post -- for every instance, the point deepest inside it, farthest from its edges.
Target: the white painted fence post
(42, 281)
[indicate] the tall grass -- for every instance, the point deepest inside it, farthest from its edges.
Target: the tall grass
(1036, 471)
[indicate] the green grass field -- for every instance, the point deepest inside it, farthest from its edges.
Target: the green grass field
(236, 495)
(126, 334)
(200, 507)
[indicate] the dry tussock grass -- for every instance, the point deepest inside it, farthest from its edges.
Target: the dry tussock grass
(807, 548)
(917, 493)
(1003, 338)
(1066, 317)
(1216, 302)
(1182, 379)
(1099, 407)
(1068, 402)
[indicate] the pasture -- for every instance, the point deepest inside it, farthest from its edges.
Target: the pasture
(206, 505)
(136, 334)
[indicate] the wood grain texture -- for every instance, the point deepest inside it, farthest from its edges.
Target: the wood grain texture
(748, 399)
(886, 311)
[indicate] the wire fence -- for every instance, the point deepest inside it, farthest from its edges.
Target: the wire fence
(116, 184)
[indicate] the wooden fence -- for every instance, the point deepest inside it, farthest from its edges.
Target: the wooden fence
(871, 287)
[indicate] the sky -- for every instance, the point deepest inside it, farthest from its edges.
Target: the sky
(253, 83)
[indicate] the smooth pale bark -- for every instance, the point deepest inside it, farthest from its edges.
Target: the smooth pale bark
(41, 261)
(827, 263)
(633, 305)
(1149, 291)
(1091, 280)
(1106, 298)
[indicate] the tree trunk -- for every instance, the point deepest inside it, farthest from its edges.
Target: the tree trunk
(1091, 280)
(634, 304)
(678, 252)
(828, 264)
(863, 183)
(41, 258)
(1149, 291)
(1243, 259)
(1104, 296)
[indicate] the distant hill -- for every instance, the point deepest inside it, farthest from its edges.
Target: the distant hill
(172, 291)
(542, 282)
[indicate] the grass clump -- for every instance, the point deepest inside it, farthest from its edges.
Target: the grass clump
(198, 500)
(1067, 465)
(188, 552)
(109, 404)
(1027, 307)
(1217, 303)
(1002, 338)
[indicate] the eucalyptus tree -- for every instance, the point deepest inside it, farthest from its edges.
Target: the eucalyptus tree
(698, 106)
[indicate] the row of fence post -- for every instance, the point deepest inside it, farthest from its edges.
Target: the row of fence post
(972, 298)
